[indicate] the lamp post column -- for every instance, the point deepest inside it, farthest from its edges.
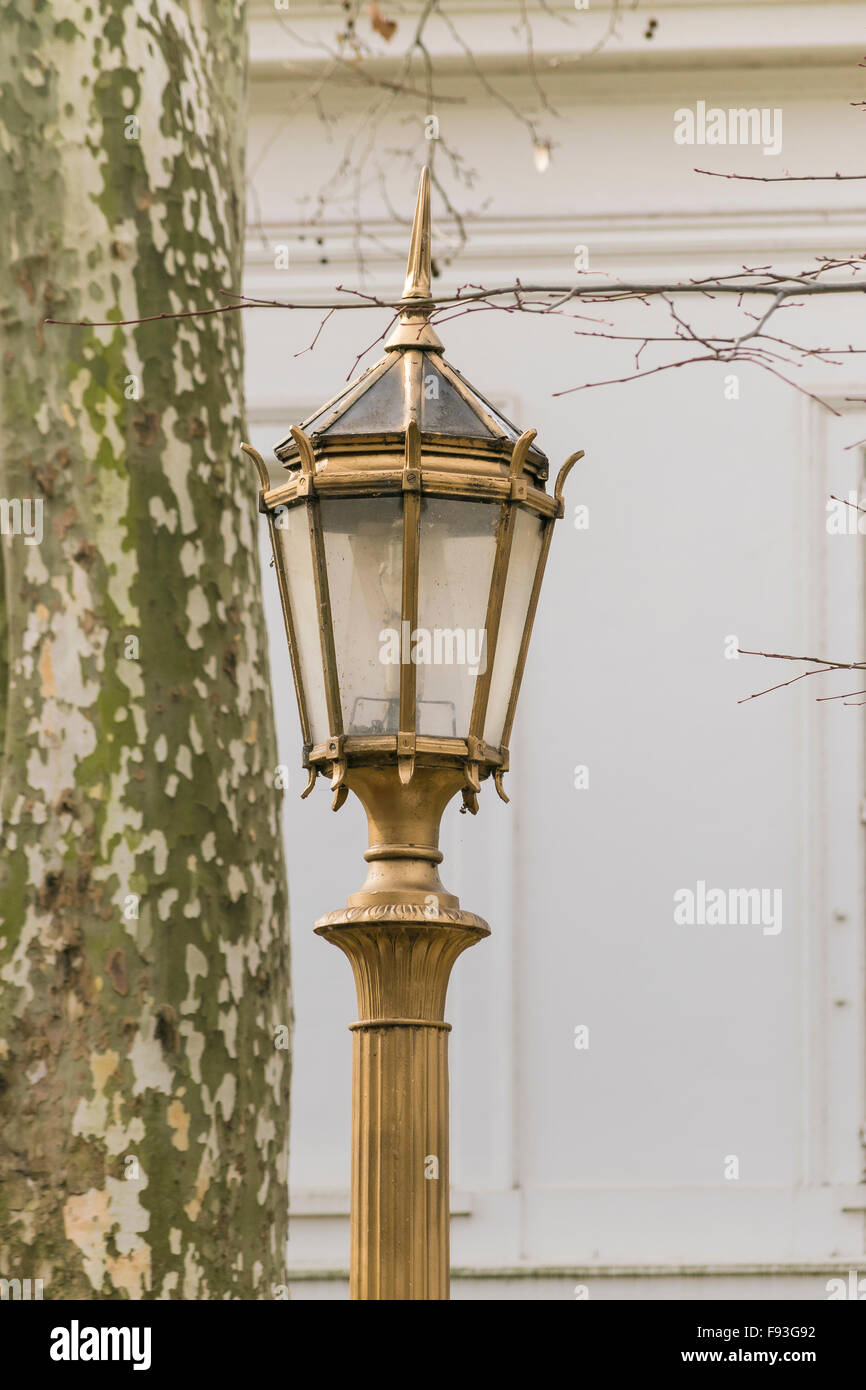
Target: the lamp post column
(409, 454)
(402, 934)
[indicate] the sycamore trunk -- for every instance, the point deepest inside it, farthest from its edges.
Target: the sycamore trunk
(144, 992)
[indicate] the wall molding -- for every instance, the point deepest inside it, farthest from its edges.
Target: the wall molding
(708, 33)
(320, 256)
(803, 1269)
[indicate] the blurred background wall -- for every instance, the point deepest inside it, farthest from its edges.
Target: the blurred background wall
(708, 1141)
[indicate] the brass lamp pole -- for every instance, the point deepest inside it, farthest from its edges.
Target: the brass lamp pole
(409, 542)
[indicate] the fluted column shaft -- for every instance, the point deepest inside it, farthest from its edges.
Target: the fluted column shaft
(400, 1184)
(400, 1231)
(402, 933)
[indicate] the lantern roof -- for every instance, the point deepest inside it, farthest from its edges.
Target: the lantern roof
(412, 382)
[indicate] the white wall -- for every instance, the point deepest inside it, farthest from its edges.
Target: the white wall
(605, 1167)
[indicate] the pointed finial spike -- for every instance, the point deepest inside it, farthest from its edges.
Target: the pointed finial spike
(413, 329)
(417, 284)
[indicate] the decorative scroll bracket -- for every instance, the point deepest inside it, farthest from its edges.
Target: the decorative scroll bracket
(560, 481)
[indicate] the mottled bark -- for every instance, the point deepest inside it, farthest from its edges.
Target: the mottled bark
(143, 915)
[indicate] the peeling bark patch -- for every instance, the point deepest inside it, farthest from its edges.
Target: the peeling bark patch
(202, 1183)
(179, 1119)
(87, 1222)
(166, 1027)
(95, 1222)
(116, 971)
(146, 427)
(46, 672)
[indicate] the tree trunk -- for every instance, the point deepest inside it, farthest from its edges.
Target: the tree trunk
(145, 1007)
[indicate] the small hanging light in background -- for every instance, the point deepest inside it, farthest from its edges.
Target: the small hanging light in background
(541, 155)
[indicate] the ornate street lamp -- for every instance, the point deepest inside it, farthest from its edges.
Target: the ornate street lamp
(410, 539)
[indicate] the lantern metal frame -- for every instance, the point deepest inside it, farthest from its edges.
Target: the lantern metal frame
(463, 472)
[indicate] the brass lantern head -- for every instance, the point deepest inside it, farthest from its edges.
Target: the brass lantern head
(410, 538)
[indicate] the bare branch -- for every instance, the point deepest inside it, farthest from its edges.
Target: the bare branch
(781, 178)
(778, 286)
(819, 666)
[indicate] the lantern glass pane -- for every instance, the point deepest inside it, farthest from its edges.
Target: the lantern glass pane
(364, 557)
(449, 647)
(292, 532)
(444, 410)
(522, 565)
